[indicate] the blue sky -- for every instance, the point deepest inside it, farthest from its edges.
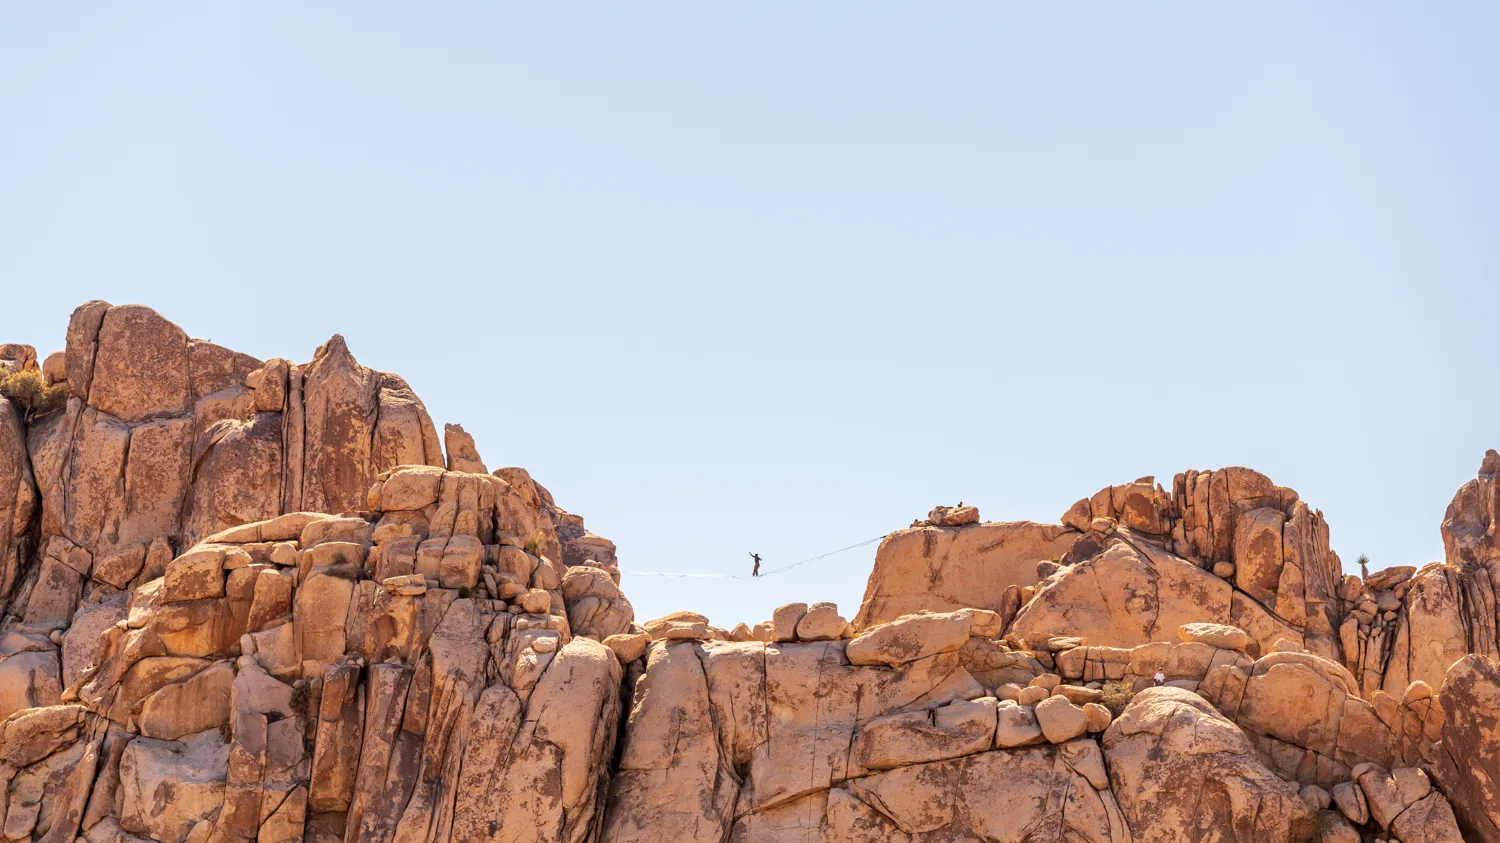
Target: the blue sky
(780, 279)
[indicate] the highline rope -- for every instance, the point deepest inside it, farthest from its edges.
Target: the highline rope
(772, 572)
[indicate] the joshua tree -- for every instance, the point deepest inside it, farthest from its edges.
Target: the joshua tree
(1364, 567)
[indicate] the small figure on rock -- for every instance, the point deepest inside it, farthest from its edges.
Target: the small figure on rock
(755, 572)
(1160, 679)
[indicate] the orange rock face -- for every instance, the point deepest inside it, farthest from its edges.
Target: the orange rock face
(246, 600)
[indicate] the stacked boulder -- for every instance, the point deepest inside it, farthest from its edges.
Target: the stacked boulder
(245, 600)
(813, 733)
(254, 600)
(397, 646)
(1258, 553)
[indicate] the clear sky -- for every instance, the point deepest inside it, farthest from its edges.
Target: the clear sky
(735, 278)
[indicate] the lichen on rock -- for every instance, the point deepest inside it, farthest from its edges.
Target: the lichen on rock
(262, 600)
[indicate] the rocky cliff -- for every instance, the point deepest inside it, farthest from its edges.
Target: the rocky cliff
(261, 600)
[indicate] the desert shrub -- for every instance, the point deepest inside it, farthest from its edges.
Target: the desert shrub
(300, 697)
(1117, 695)
(534, 545)
(29, 389)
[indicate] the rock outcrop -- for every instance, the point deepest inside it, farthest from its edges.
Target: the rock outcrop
(258, 600)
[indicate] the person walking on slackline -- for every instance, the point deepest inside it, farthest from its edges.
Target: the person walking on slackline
(755, 572)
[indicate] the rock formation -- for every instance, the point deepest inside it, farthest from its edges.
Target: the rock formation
(259, 600)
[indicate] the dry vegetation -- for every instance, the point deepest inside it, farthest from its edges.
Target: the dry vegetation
(29, 389)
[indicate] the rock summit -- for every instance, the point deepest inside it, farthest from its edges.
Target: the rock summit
(257, 600)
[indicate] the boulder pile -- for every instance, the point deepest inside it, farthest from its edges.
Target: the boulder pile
(258, 600)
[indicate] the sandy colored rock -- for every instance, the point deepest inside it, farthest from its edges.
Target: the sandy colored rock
(1430, 820)
(954, 799)
(462, 453)
(1215, 635)
(1412, 784)
(1077, 694)
(1033, 694)
(1336, 829)
(184, 708)
(460, 563)
(821, 623)
(1316, 798)
(348, 530)
(245, 600)
(538, 601)
(910, 638)
(193, 771)
(959, 728)
(1061, 721)
(984, 623)
(195, 575)
(596, 605)
(628, 646)
(678, 626)
(1381, 793)
(785, 619)
(1168, 735)
(1085, 757)
(1096, 717)
(140, 367)
(1351, 802)
(1126, 597)
(118, 569)
(1016, 726)
(1470, 700)
(945, 568)
(954, 516)
(411, 488)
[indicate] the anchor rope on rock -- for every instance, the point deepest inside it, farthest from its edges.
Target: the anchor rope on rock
(771, 572)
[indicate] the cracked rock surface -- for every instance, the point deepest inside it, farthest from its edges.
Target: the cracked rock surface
(262, 600)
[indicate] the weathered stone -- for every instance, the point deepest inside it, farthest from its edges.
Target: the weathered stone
(628, 646)
(958, 728)
(1167, 736)
(1126, 597)
(1469, 767)
(596, 606)
(140, 367)
(1096, 717)
(1061, 720)
(118, 569)
(910, 638)
(362, 644)
(184, 708)
(1351, 802)
(195, 575)
(1381, 794)
(411, 488)
(954, 516)
(821, 623)
(785, 619)
(462, 454)
(193, 772)
(459, 568)
(1017, 726)
(944, 568)
(1215, 635)
(1429, 820)
(678, 626)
